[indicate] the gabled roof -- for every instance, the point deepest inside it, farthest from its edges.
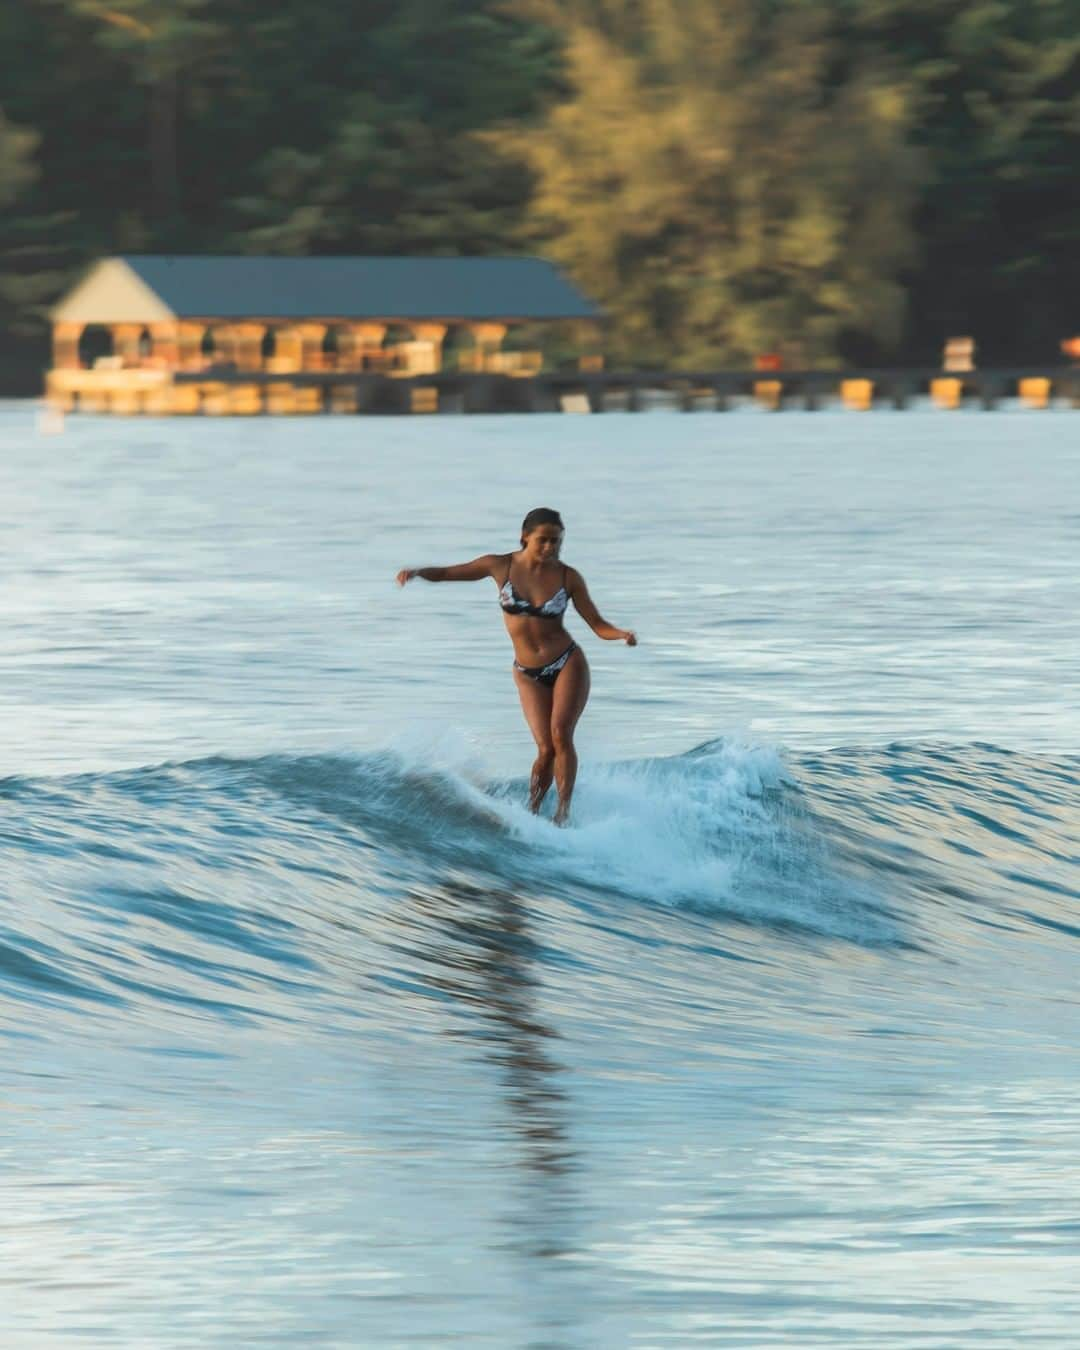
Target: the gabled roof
(151, 288)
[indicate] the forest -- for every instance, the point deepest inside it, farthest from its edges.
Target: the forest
(837, 180)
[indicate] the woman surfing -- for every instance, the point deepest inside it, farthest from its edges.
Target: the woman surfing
(550, 670)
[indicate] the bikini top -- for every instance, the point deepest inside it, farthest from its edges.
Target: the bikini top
(512, 603)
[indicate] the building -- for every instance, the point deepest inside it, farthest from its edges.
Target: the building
(177, 334)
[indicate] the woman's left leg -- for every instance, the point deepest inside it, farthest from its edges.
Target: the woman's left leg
(569, 696)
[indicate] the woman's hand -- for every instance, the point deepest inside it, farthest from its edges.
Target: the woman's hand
(629, 637)
(406, 574)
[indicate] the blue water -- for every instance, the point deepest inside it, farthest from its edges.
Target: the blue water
(313, 1036)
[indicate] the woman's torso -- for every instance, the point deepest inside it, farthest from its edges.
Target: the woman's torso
(533, 605)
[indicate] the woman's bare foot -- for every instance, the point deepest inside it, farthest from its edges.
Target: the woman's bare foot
(562, 814)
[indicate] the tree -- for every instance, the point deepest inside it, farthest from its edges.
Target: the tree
(159, 40)
(717, 189)
(22, 287)
(17, 167)
(998, 86)
(389, 161)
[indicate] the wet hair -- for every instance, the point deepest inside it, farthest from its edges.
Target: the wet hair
(542, 515)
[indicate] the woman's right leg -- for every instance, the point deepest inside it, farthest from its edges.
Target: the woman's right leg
(536, 705)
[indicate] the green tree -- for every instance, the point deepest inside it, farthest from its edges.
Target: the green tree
(23, 283)
(714, 185)
(160, 41)
(17, 167)
(998, 85)
(390, 163)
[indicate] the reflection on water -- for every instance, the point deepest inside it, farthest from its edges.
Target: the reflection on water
(479, 953)
(485, 961)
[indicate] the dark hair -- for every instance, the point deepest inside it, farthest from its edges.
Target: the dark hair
(542, 515)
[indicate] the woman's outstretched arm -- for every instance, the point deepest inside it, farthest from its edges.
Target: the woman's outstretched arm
(476, 570)
(583, 603)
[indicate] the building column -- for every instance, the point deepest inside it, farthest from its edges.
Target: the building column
(311, 341)
(249, 341)
(66, 345)
(287, 348)
(189, 338)
(241, 343)
(488, 338)
(356, 340)
(126, 338)
(165, 344)
(224, 338)
(433, 333)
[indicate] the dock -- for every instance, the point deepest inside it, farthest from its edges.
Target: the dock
(230, 392)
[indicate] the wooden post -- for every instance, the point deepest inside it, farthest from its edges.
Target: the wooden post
(66, 345)
(1034, 391)
(770, 394)
(857, 394)
(947, 392)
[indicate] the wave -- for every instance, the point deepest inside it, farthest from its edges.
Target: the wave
(230, 889)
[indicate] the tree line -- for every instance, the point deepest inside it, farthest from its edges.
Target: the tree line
(834, 179)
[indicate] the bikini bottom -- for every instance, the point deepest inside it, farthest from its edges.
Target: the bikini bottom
(548, 674)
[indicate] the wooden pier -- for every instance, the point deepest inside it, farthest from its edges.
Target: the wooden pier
(231, 392)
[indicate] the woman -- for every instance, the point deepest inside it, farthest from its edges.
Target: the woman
(550, 670)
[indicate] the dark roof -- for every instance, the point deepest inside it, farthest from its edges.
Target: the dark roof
(362, 288)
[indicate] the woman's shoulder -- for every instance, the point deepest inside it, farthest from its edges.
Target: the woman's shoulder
(500, 565)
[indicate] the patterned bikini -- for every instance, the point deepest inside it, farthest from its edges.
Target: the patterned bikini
(512, 603)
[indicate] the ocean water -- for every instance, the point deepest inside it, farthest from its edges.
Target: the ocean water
(311, 1035)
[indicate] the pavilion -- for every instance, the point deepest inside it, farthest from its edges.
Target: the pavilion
(143, 322)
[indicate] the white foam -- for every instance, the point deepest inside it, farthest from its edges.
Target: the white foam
(696, 831)
(669, 830)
